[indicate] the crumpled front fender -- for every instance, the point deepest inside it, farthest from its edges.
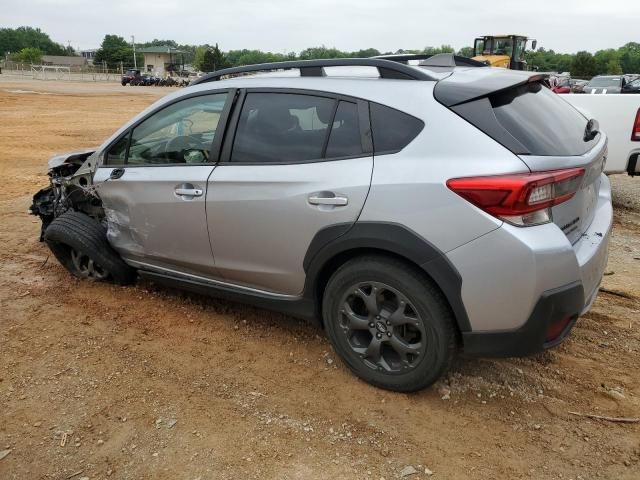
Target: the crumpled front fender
(62, 158)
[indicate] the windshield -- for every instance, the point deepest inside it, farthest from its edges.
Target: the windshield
(605, 82)
(502, 46)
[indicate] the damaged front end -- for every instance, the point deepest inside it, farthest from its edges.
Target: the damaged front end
(71, 188)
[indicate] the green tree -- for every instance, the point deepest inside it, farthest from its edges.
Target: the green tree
(613, 67)
(603, 58)
(583, 65)
(219, 59)
(29, 55)
(437, 50)
(466, 52)
(321, 53)
(114, 49)
(15, 39)
(366, 53)
(629, 55)
(208, 61)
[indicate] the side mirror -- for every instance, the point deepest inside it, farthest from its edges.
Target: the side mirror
(534, 43)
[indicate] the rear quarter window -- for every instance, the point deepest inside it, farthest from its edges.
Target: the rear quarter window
(392, 129)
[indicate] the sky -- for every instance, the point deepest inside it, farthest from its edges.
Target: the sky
(286, 25)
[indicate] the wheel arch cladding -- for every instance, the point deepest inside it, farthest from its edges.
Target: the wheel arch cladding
(336, 244)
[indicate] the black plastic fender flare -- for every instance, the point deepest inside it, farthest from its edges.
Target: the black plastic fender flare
(387, 237)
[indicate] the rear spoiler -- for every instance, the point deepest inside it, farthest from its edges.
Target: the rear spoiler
(466, 85)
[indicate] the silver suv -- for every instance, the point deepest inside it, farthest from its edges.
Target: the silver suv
(408, 210)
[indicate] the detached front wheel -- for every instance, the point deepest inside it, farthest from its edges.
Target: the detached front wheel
(80, 244)
(389, 323)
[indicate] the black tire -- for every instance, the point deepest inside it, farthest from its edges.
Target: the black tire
(412, 339)
(80, 244)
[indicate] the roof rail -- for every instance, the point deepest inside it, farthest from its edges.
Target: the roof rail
(314, 68)
(435, 60)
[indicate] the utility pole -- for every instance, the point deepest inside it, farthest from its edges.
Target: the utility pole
(133, 44)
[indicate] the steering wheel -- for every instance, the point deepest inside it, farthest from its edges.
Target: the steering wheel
(179, 145)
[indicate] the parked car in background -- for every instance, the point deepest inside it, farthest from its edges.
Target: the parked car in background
(577, 85)
(130, 77)
(632, 87)
(562, 85)
(605, 84)
(484, 225)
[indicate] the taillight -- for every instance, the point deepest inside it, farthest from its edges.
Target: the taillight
(635, 133)
(521, 199)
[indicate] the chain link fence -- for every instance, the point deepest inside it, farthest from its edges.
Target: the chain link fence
(62, 72)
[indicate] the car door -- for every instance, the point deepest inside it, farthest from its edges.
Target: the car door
(153, 182)
(299, 162)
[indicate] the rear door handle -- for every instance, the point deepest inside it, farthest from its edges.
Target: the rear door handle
(335, 201)
(188, 192)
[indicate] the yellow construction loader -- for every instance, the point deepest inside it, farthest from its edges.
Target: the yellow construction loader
(505, 51)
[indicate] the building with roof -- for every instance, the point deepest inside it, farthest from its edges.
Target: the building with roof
(162, 60)
(88, 54)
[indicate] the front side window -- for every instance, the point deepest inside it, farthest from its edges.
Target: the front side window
(117, 153)
(181, 133)
(282, 127)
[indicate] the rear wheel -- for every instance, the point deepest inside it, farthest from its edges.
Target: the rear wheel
(80, 245)
(389, 323)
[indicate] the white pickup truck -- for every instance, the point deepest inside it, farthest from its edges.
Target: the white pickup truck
(619, 117)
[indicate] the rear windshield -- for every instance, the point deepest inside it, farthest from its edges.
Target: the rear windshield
(541, 121)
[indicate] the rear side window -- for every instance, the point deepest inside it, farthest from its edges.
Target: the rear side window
(344, 140)
(392, 129)
(541, 121)
(282, 127)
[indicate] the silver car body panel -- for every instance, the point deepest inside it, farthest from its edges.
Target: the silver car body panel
(261, 221)
(149, 222)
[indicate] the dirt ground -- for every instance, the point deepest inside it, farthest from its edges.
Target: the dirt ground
(140, 382)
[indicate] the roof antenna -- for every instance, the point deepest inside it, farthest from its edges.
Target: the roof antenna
(439, 60)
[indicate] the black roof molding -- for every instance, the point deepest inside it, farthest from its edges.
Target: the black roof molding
(389, 69)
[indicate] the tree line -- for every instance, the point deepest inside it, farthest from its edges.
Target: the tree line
(27, 44)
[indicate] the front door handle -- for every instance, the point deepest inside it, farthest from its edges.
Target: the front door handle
(188, 192)
(335, 201)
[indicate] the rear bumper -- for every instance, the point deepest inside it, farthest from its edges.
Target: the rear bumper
(554, 306)
(540, 281)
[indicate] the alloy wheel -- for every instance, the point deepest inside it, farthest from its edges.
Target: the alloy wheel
(382, 327)
(86, 267)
